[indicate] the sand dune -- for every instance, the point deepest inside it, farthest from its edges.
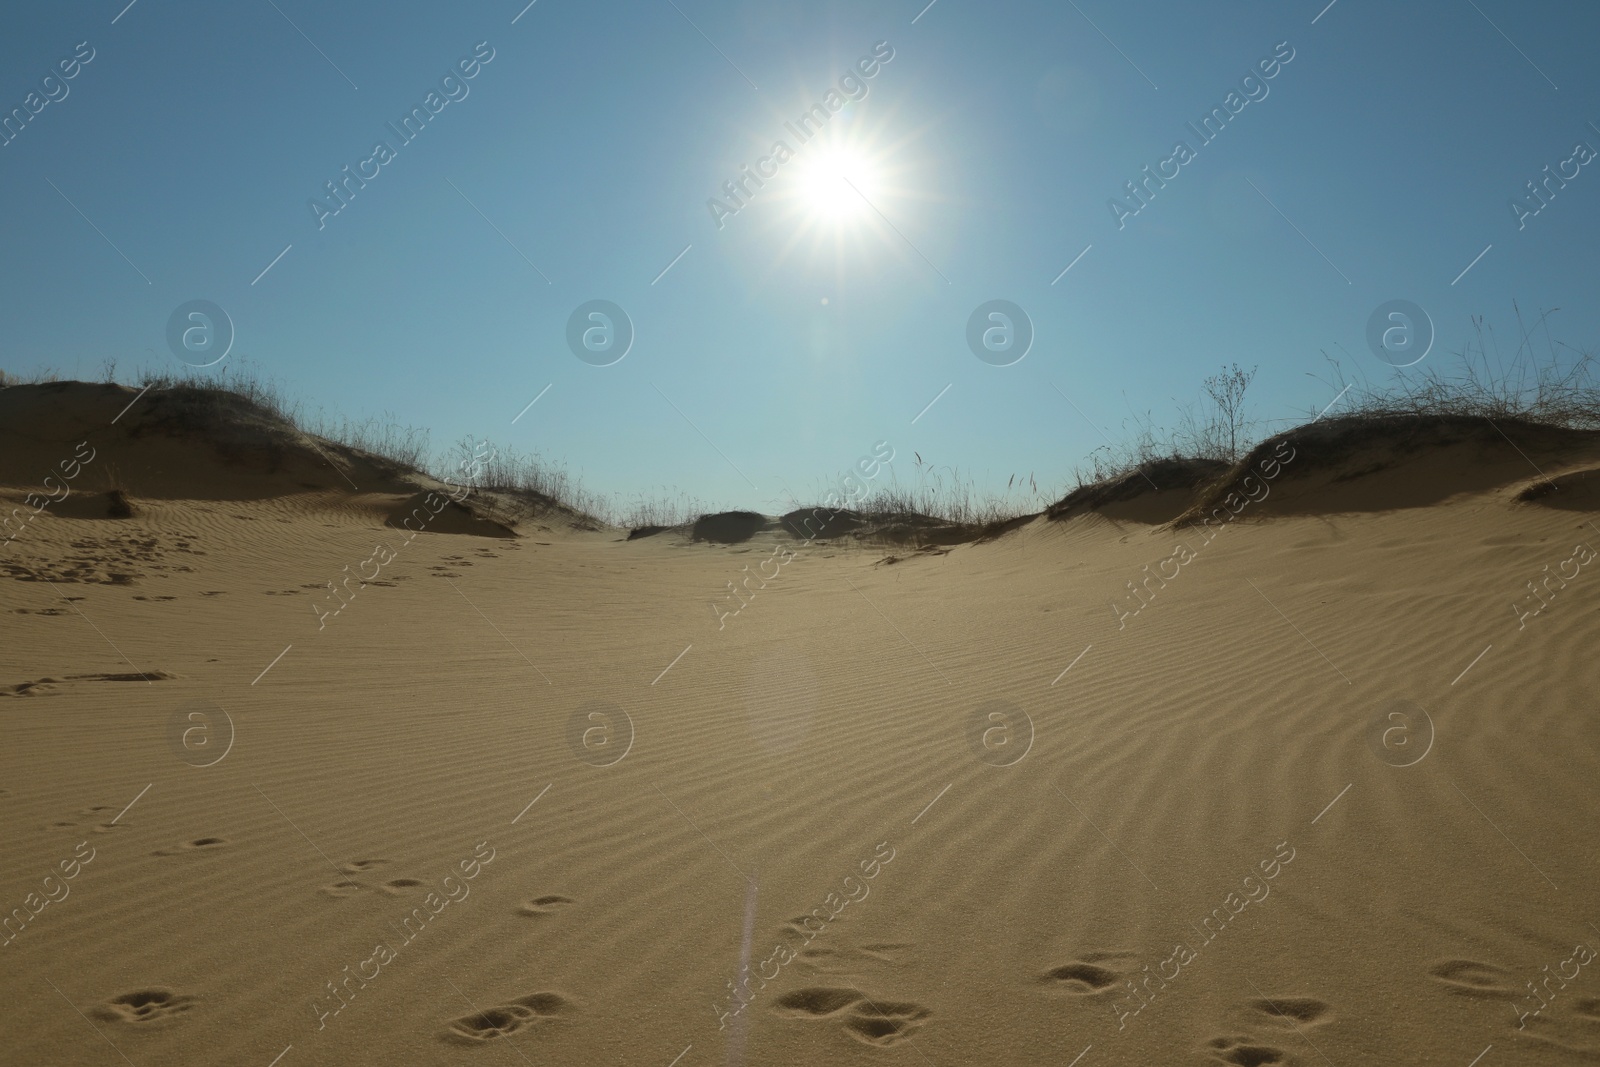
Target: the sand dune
(1318, 788)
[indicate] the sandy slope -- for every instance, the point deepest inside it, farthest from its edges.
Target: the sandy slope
(1211, 753)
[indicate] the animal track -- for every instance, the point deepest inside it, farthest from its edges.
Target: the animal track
(1294, 1011)
(1087, 976)
(48, 685)
(850, 959)
(349, 887)
(1082, 977)
(815, 1002)
(85, 814)
(884, 1022)
(199, 844)
(1244, 1052)
(124, 676)
(145, 1006)
(503, 1020)
(881, 1022)
(28, 689)
(545, 905)
(1470, 978)
(103, 561)
(361, 866)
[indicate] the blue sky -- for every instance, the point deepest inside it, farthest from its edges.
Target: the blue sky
(818, 319)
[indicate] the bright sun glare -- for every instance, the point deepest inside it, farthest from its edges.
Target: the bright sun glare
(837, 184)
(842, 197)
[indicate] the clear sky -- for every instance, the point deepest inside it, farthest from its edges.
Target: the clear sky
(826, 312)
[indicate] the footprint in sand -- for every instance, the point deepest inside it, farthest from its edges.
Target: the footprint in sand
(1088, 975)
(875, 1022)
(1570, 1026)
(1469, 978)
(503, 1020)
(546, 905)
(848, 959)
(346, 888)
(1294, 1011)
(86, 814)
(145, 1007)
(34, 688)
(884, 1022)
(816, 1002)
(361, 866)
(397, 886)
(1245, 1052)
(199, 844)
(50, 685)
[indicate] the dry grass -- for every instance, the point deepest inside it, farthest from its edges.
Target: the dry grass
(944, 495)
(529, 476)
(210, 398)
(38, 377)
(668, 509)
(938, 506)
(1550, 384)
(1540, 381)
(1216, 428)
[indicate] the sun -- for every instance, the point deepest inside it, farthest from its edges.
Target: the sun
(836, 184)
(846, 197)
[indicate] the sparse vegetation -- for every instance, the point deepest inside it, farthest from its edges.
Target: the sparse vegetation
(679, 509)
(38, 377)
(1219, 432)
(1224, 433)
(219, 393)
(1540, 381)
(506, 470)
(383, 436)
(944, 495)
(1553, 388)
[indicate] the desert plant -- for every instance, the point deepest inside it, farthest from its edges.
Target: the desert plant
(1555, 387)
(663, 510)
(943, 495)
(486, 466)
(1229, 424)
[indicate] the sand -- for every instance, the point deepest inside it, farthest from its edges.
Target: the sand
(529, 800)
